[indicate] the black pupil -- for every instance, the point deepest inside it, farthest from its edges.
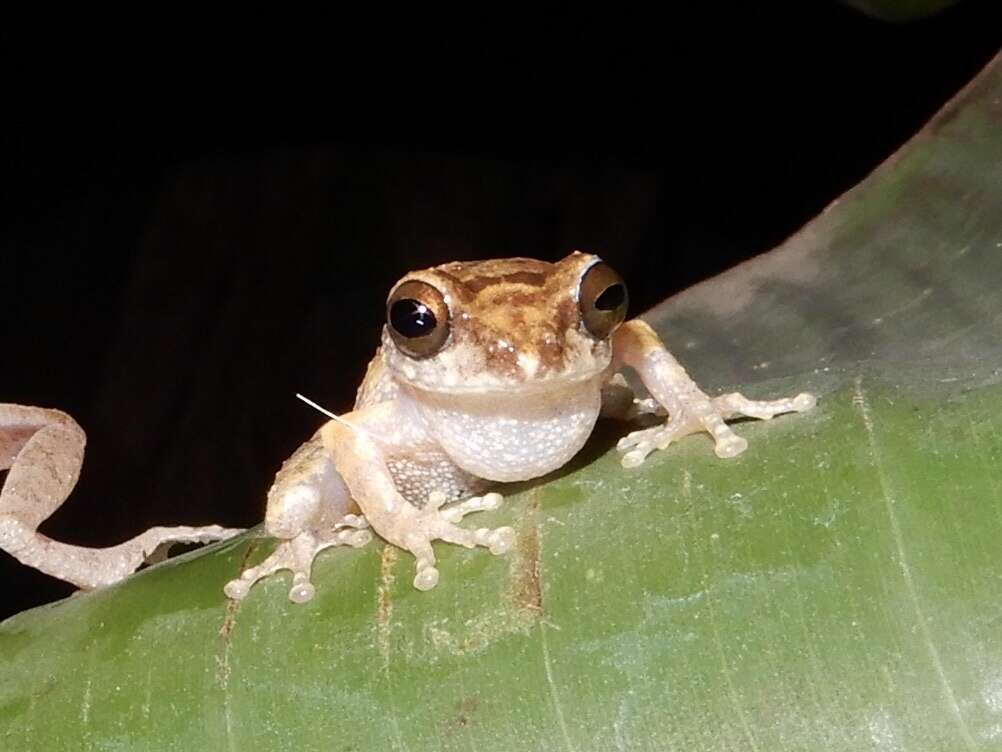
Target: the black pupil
(611, 298)
(412, 318)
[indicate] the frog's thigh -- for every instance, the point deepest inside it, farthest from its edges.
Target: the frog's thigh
(308, 493)
(361, 445)
(309, 510)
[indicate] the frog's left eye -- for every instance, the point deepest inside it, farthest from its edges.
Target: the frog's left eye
(418, 318)
(602, 300)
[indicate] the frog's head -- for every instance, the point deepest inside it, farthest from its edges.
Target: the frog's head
(504, 324)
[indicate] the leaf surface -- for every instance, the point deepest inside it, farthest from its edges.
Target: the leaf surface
(836, 587)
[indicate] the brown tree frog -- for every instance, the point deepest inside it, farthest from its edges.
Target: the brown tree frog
(489, 371)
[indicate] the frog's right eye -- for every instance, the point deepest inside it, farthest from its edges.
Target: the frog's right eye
(418, 318)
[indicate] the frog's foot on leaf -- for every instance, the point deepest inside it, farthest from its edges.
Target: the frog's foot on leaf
(433, 522)
(297, 555)
(709, 416)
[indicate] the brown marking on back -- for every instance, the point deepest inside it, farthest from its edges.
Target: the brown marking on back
(525, 270)
(514, 298)
(527, 278)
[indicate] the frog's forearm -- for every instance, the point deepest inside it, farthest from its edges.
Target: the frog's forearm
(690, 410)
(359, 444)
(361, 462)
(638, 346)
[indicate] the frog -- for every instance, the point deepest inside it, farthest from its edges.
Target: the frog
(488, 372)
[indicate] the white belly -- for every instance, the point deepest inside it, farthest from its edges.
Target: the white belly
(510, 437)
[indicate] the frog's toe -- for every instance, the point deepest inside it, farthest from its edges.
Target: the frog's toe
(237, 589)
(638, 444)
(281, 558)
(302, 589)
(496, 540)
(736, 404)
(500, 540)
(635, 438)
(426, 578)
(485, 503)
(356, 538)
(729, 445)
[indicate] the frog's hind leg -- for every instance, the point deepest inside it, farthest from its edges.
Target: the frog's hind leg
(43, 451)
(309, 509)
(297, 555)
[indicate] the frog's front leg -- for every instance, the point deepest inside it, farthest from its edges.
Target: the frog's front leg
(43, 450)
(690, 410)
(360, 445)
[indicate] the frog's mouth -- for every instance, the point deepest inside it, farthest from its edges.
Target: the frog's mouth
(464, 368)
(505, 389)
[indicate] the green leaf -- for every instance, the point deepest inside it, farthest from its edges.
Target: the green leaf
(836, 587)
(899, 11)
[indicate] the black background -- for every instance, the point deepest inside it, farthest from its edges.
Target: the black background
(198, 222)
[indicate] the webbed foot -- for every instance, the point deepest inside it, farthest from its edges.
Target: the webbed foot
(709, 415)
(434, 521)
(297, 555)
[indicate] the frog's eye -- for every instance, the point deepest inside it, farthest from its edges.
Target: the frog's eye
(418, 318)
(602, 300)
